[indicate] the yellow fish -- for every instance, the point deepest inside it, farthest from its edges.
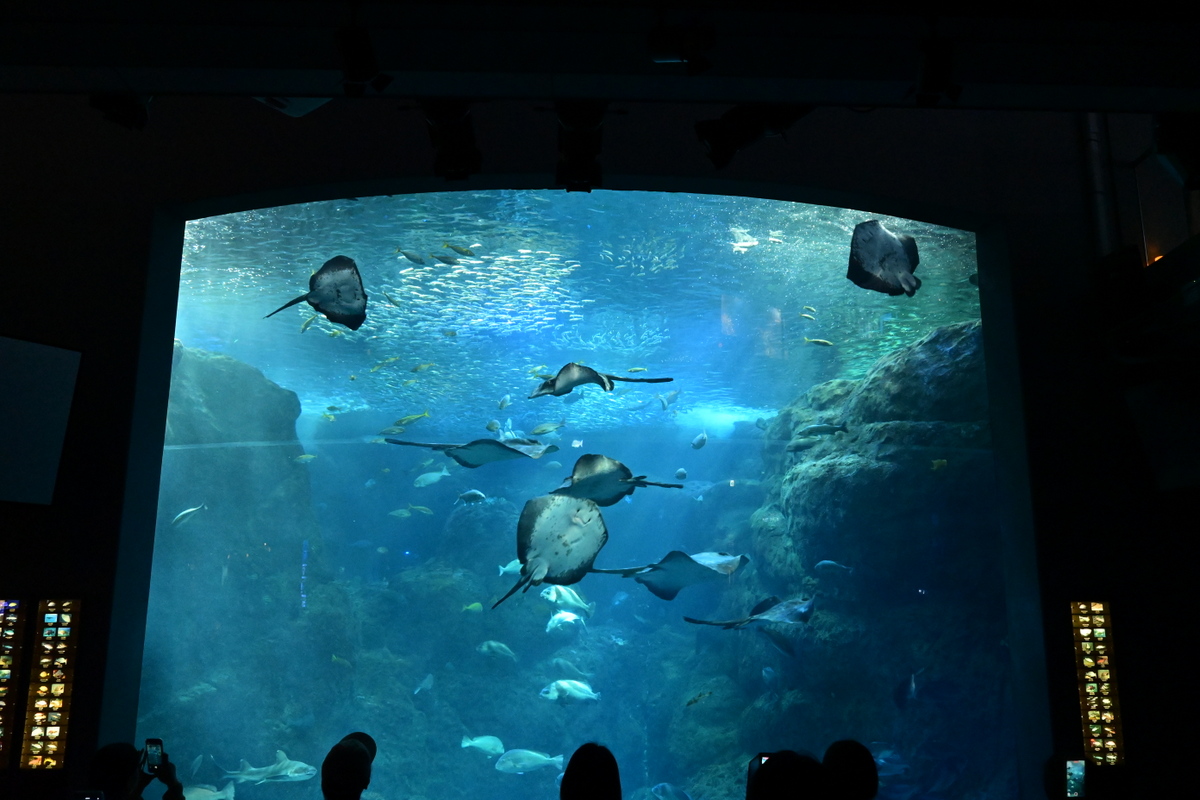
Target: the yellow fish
(822, 342)
(308, 322)
(329, 417)
(381, 550)
(636, 369)
(422, 509)
(538, 369)
(938, 463)
(449, 333)
(392, 431)
(810, 308)
(390, 300)
(386, 470)
(410, 419)
(402, 513)
(408, 382)
(462, 251)
(422, 367)
(353, 377)
(474, 607)
(335, 334)
(342, 662)
(808, 316)
(304, 459)
(548, 427)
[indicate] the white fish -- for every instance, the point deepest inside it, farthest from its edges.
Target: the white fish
(490, 745)
(186, 514)
(206, 792)
(568, 598)
(283, 770)
(522, 761)
(562, 619)
(426, 684)
(511, 568)
(493, 648)
(471, 496)
(430, 478)
(505, 402)
(577, 443)
(569, 691)
(832, 565)
(700, 440)
(681, 474)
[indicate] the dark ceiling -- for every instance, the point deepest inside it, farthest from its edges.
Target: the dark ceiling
(759, 51)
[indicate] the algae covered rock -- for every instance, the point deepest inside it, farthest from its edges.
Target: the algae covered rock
(941, 377)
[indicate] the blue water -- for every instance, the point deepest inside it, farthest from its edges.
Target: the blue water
(238, 665)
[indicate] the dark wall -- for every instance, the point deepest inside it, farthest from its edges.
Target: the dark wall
(90, 219)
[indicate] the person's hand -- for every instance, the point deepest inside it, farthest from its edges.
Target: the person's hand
(166, 774)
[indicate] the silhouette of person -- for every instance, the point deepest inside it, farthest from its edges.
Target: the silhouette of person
(788, 775)
(115, 769)
(851, 771)
(591, 774)
(346, 770)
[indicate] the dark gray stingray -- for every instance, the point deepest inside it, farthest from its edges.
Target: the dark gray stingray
(485, 451)
(558, 539)
(788, 612)
(883, 261)
(572, 375)
(604, 480)
(335, 290)
(678, 570)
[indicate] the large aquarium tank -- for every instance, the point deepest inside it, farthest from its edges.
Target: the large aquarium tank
(647, 413)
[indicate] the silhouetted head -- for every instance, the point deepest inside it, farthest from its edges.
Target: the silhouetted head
(788, 775)
(591, 774)
(851, 771)
(115, 769)
(346, 770)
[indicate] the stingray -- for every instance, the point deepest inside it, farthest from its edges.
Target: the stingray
(788, 612)
(572, 375)
(604, 480)
(558, 539)
(336, 290)
(678, 570)
(485, 451)
(883, 261)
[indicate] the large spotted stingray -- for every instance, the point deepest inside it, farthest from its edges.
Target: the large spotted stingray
(335, 290)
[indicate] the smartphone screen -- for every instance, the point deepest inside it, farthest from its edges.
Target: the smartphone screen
(154, 750)
(1075, 772)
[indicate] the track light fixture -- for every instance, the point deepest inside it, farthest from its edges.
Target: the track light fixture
(580, 125)
(742, 126)
(682, 44)
(935, 76)
(452, 135)
(360, 68)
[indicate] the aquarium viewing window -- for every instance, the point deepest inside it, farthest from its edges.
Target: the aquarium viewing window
(384, 411)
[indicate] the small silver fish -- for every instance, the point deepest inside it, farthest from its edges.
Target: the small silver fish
(700, 441)
(833, 565)
(426, 684)
(472, 496)
(681, 474)
(821, 430)
(186, 514)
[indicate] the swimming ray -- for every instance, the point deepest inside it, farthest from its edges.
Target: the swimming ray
(335, 290)
(484, 451)
(558, 539)
(677, 570)
(604, 480)
(573, 375)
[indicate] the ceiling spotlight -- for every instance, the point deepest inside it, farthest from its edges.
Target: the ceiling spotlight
(360, 68)
(579, 132)
(742, 126)
(126, 109)
(453, 138)
(934, 79)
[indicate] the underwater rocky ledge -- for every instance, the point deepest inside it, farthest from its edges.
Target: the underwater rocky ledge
(907, 649)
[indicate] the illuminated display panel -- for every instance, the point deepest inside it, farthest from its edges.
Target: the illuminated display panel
(12, 634)
(1100, 708)
(51, 679)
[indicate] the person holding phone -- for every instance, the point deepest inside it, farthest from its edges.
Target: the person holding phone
(122, 772)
